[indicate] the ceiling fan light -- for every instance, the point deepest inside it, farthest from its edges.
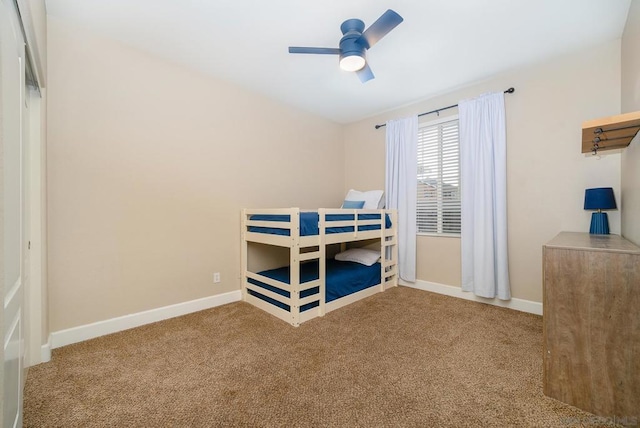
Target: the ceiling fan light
(352, 62)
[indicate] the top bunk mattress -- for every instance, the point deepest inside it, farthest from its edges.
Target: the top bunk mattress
(309, 223)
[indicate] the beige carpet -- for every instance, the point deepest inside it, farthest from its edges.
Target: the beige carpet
(402, 358)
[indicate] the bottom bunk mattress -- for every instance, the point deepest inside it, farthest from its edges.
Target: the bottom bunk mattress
(342, 279)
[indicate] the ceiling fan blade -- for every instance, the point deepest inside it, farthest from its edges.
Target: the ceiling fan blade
(387, 22)
(365, 74)
(320, 51)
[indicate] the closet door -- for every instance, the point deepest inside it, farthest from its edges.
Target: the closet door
(12, 90)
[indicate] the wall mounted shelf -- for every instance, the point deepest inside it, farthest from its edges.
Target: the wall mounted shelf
(608, 133)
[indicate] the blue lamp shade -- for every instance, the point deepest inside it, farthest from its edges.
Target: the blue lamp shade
(601, 198)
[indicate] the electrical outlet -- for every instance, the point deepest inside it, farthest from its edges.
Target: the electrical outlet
(216, 277)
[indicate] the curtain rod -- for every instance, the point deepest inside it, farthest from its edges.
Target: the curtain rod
(508, 91)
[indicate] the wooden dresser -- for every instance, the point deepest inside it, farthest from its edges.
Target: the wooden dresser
(591, 309)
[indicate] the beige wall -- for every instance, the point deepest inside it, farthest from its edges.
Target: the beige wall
(149, 166)
(547, 174)
(631, 102)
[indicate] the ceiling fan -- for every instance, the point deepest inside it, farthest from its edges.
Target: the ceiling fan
(355, 43)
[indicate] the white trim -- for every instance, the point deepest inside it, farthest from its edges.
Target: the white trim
(45, 352)
(114, 325)
(449, 290)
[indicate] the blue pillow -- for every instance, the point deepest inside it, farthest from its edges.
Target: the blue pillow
(353, 204)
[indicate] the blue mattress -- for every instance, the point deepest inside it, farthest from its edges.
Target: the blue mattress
(309, 223)
(342, 279)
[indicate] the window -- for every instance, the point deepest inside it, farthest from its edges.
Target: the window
(438, 209)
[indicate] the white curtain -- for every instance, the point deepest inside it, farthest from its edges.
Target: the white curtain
(401, 188)
(483, 166)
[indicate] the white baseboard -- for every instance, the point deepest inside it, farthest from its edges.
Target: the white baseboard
(448, 290)
(45, 352)
(114, 325)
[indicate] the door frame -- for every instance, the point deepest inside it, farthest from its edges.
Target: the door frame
(37, 346)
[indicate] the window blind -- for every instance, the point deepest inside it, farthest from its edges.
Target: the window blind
(438, 207)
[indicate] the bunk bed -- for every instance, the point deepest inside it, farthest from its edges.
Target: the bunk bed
(312, 285)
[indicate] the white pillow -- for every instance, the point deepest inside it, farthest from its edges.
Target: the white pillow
(373, 199)
(359, 255)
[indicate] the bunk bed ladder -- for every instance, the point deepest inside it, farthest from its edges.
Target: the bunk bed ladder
(389, 255)
(322, 261)
(383, 250)
(394, 248)
(294, 266)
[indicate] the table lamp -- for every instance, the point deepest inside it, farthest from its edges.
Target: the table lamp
(601, 198)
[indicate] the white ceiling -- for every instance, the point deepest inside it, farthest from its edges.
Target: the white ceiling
(441, 45)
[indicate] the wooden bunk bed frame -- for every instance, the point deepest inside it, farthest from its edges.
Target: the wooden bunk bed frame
(301, 249)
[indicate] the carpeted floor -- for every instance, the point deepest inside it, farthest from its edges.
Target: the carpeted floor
(402, 358)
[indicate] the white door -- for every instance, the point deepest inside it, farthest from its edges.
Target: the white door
(11, 127)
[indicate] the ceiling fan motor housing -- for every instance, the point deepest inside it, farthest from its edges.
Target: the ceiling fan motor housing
(352, 42)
